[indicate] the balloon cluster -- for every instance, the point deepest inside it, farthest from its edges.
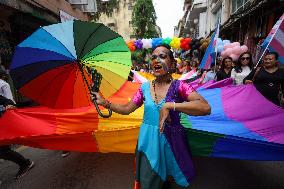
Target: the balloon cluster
(228, 49)
(204, 44)
(131, 45)
(175, 43)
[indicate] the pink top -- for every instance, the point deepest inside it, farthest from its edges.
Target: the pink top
(184, 90)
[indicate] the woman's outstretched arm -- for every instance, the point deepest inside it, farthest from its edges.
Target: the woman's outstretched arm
(123, 109)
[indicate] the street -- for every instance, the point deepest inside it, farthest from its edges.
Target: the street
(114, 170)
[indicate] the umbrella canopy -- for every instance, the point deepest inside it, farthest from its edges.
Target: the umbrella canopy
(53, 66)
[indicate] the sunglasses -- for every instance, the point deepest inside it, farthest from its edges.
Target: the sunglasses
(245, 58)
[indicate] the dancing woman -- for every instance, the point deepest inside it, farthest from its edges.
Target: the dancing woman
(162, 151)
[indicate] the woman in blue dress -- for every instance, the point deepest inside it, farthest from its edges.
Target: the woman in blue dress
(162, 151)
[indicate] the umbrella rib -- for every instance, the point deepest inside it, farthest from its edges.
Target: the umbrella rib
(103, 53)
(60, 43)
(107, 80)
(62, 87)
(35, 63)
(100, 25)
(40, 96)
(87, 54)
(107, 61)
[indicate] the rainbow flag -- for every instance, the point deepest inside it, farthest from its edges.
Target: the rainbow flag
(235, 129)
(274, 42)
(211, 51)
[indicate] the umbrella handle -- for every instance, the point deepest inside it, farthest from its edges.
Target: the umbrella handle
(99, 111)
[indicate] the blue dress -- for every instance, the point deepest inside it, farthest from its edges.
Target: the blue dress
(162, 155)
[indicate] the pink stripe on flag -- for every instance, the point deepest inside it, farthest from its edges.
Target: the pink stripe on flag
(208, 62)
(281, 26)
(277, 47)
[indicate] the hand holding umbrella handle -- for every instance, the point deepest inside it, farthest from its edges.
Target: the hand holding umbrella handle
(94, 99)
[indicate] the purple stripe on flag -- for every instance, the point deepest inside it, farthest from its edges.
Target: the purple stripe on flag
(259, 113)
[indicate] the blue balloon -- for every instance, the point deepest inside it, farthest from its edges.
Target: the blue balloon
(219, 41)
(226, 41)
(220, 48)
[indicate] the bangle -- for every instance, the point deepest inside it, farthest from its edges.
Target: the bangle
(107, 104)
(174, 106)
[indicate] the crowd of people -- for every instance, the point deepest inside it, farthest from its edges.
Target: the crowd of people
(268, 77)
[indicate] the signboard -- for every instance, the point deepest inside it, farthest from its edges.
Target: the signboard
(64, 16)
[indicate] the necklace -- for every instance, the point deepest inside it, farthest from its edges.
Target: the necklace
(154, 87)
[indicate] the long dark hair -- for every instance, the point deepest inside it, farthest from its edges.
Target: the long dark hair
(223, 63)
(238, 67)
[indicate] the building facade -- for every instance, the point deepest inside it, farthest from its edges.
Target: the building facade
(245, 21)
(120, 19)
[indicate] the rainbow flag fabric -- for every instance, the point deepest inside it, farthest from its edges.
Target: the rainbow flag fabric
(236, 127)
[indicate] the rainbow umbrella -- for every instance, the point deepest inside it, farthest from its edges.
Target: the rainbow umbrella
(55, 66)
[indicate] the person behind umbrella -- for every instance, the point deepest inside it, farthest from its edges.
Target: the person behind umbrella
(162, 151)
(7, 101)
(269, 79)
(243, 68)
(225, 70)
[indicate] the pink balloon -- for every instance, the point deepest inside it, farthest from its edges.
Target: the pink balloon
(235, 44)
(237, 50)
(229, 51)
(244, 48)
(223, 54)
(234, 57)
(227, 46)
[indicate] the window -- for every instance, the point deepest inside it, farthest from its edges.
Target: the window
(238, 5)
(130, 7)
(111, 24)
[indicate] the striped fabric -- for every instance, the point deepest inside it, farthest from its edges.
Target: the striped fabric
(210, 53)
(274, 42)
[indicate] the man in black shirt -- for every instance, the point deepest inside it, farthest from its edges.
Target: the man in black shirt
(269, 79)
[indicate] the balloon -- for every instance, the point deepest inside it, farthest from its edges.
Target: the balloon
(226, 41)
(175, 43)
(244, 48)
(184, 43)
(147, 43)
(234, 57)
(220, 48)
(237, 50)
(227, 46)
(219, 41)
(235, 44)
(131, 45)
(228, 52)
(223, 55)
(138, 44)
(167, 41)
(156, 42)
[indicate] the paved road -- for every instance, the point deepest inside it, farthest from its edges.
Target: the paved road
(114, 170)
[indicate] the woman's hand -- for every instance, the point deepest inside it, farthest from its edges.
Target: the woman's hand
(10, 107)
(248, 81)
(164, 116)
(98, 98)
